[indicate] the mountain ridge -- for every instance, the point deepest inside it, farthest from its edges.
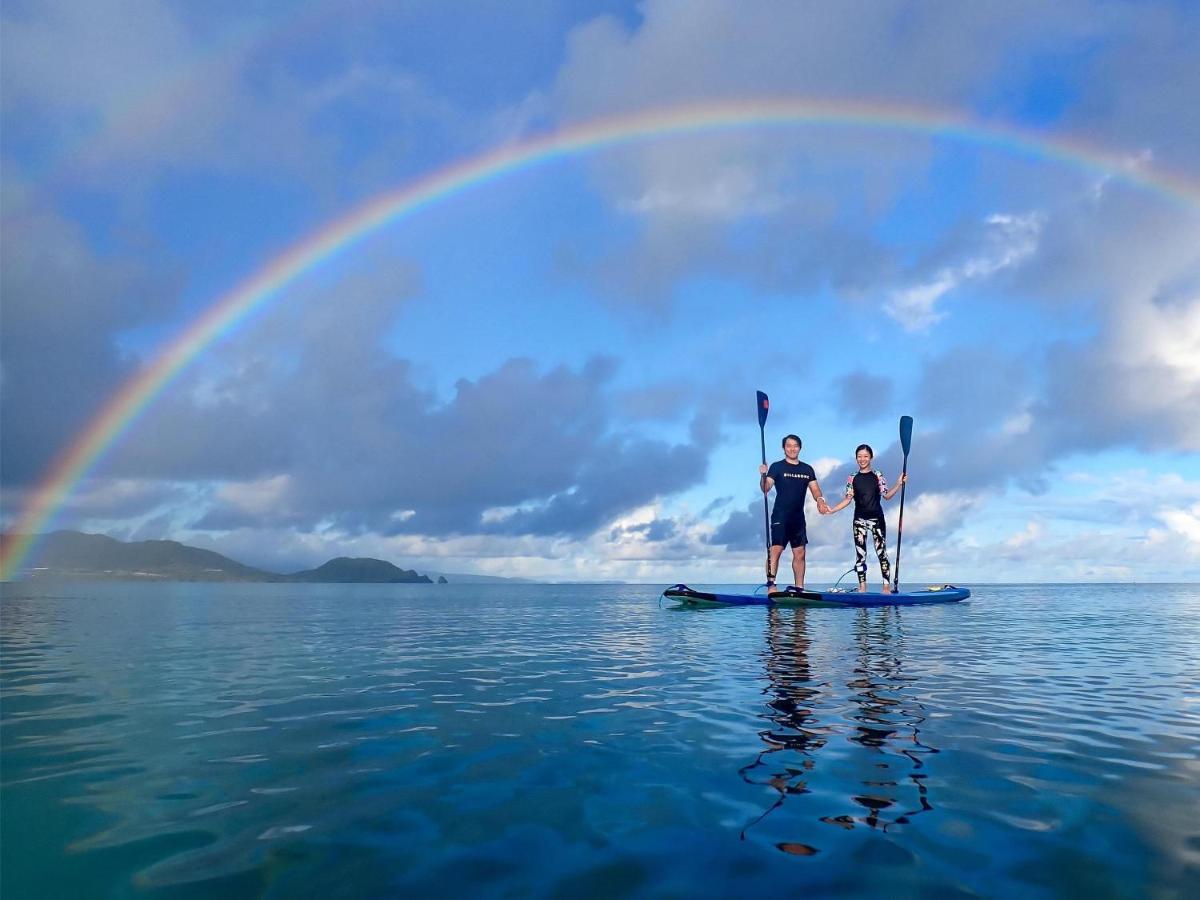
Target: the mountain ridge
(75, 555)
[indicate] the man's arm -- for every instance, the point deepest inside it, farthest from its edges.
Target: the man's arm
(765, 481)
(815, 490)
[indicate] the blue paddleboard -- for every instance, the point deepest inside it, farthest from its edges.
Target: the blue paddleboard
(943, 593)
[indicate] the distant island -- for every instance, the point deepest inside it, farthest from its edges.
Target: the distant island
(75, 556)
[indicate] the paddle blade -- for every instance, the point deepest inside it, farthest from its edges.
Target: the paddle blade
(905, 433)
(763, 405)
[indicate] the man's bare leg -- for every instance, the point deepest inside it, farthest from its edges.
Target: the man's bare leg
(798, 565)
(775, 552)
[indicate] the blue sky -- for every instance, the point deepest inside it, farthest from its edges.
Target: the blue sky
(552, 374)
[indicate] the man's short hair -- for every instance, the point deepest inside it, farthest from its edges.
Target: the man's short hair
(791, 437)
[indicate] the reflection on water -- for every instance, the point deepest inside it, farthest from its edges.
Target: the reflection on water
(809, 719)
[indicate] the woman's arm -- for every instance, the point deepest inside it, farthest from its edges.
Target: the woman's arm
(891, 492)
(848, 495)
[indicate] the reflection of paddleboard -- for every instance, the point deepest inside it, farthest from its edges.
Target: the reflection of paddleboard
(945, 593)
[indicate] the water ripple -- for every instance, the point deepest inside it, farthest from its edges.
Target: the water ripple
(282, 740)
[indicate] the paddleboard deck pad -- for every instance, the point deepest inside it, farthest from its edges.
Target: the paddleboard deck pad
(942, 593)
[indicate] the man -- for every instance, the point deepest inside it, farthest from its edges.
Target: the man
(791, 479)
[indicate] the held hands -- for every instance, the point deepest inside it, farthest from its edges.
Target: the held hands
(823, 506)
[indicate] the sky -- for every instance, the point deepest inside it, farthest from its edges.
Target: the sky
(550, 372)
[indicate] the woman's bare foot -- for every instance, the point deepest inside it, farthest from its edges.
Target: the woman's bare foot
(887, 587)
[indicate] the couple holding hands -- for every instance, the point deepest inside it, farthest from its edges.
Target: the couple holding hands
(792, 479)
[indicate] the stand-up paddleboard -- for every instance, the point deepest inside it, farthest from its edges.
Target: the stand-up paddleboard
(942, 593)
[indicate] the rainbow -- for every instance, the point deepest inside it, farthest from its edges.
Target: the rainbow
(227, 312)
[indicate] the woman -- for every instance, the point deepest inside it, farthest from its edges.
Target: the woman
(868, 488)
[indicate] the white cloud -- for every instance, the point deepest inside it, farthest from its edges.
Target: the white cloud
(825, 466)
(1018, 424)
(936, 512)
(731, 194)
(1136, 381)
(1033, 533)
(1099, 530)
(1010, 239)
(914, 307)
(260, 497)
(1184, 523)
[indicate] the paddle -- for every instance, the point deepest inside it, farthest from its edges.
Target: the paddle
(905, 445)
(763, 405)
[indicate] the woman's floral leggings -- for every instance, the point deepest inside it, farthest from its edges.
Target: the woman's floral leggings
(875, 527)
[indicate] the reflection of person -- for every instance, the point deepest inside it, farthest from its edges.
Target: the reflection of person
(806, 711)
(889, 717)
(793, 480)
(794, 728)
(868, 488)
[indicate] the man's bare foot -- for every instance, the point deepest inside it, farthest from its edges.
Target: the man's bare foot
(862, 587)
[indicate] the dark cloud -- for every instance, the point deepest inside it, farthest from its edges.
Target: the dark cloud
(804, 251)
(363, 448)
(742, 530)
(1127, 68)
(617, 476)
(310, 418)
(716, 504)
(155, 96)
(1095, 401)
(113, 499)
(745, 529)
(660, 402)
(975, 387)
(863, 396)
(64, 309)
(647, 270)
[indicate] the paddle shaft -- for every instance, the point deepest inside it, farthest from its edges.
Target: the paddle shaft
(764, 405)
(906, 426)
(900, 526)
(762, 435)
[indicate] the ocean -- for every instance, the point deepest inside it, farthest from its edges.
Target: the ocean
(521, 740)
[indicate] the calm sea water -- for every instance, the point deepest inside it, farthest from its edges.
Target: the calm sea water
(565, 741)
